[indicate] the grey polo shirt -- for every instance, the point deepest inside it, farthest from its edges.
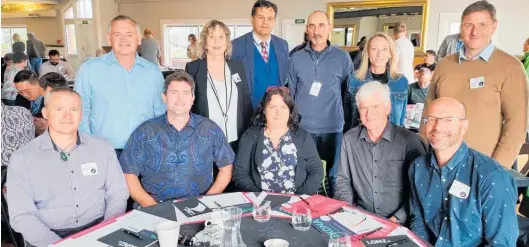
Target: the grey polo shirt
(374, 175)
(47, 193)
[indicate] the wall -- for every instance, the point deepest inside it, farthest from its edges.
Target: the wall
(45, 28)
(104, 11)
(149, 13)
(368, 26)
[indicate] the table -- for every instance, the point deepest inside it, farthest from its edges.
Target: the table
(254, 233)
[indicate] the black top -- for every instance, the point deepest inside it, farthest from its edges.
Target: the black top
(308, 172)
(19, 46)
(198, 69)
(382, 78)
(21, 101)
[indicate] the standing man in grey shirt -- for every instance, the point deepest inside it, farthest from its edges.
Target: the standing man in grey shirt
(63, 181)
(150, 48)
(375, 156)
(36, 51)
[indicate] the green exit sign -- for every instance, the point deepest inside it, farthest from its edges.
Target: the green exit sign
(85, 22)
(300, 21)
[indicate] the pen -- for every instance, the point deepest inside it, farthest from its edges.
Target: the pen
(136, 235)
(404, 240)
(308, 204)
(372, 231)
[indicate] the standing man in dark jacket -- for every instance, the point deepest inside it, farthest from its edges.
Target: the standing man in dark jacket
(264, 55)
(36, 51)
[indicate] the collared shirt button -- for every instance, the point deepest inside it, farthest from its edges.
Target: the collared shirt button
(446, 218)
(74, 188)
(71, 171)
(77, 205)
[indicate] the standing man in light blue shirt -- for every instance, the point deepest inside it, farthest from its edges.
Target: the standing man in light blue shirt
(120, 90)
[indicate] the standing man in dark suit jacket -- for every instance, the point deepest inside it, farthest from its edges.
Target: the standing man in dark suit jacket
(264, 55)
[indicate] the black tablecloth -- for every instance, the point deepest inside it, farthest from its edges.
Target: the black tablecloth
(253, 233)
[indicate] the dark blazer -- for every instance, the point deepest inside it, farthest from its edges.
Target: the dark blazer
(243, 49)
(309, 170)
(198, 69)
(21, 101)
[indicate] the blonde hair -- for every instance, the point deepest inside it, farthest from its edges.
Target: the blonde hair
(209, 27)
(16, 37)
(361, 73)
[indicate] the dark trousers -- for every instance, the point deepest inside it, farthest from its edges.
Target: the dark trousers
(328, 146)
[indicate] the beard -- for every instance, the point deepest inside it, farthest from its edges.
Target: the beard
(450, 140)
(54, 63)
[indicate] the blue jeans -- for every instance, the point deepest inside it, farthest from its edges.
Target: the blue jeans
(328, 146)
(35, 64)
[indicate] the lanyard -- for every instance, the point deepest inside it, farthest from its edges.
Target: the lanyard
(228, 101)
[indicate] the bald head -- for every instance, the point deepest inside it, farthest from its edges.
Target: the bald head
(319, 15)
(445, 106)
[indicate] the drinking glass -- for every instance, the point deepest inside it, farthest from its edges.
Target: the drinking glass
(339, 239)
(301, 218)
(262, 213)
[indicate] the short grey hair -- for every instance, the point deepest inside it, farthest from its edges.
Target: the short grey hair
(373, 87)
(179, 76)
(124, 18)
(479, 6)
(66, 90)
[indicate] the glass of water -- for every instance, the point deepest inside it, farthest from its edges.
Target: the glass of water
(301, 218)
(262, 213)
(339, 239)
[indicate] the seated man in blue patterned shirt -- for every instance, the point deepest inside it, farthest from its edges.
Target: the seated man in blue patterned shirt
(174, 153)
(459, 197)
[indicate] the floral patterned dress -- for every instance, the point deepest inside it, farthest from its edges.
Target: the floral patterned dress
(279, 166)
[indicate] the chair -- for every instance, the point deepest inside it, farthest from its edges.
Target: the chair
(14, 237)
(324, 182)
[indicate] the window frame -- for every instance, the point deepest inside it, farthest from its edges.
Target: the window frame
(11, 26)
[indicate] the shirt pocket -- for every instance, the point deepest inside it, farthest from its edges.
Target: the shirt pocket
(394, 175)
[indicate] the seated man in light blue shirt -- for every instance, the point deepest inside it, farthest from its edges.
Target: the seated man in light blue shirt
(120, 90)
(459, 196)
(63, 181)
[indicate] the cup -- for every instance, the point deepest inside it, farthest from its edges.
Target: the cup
(301, 218)
(339, 239)
(276, 242)
(215, 218)
(262, 213)
(167, 232)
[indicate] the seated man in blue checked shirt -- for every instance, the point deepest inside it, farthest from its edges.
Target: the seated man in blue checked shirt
(63, 181)
(174, 153)
(459, 197)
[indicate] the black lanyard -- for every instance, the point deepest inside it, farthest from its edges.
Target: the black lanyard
(228, 101)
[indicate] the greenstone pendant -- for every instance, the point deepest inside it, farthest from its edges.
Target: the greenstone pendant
(64, 157)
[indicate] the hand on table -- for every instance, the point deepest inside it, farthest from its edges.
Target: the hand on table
(394, 219)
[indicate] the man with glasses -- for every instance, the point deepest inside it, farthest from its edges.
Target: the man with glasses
(459, 196)
(375, 157)
(490, 82)
(55, 64)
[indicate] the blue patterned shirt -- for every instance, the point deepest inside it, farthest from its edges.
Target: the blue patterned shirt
(279, 165)
(483, 215)
(174, 163)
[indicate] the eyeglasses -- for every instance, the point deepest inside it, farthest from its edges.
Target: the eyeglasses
(445, 120)
(284, 89)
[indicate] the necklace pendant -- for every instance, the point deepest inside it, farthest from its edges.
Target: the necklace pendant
(64, 157)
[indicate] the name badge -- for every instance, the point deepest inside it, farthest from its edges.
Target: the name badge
(459, 190)
(315, 88)
(236, 77)
(89, 169)
(477, 82)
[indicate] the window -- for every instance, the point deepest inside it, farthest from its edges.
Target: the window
(7, 37)
(68, 14)
(84, 9)
(175, 41)
(71, 41)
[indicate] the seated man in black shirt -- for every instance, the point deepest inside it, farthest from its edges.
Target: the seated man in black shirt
(429, 61)
(31, 92)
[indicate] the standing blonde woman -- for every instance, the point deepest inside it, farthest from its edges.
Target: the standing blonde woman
(192, 49)
(379, 63)
(221, 92)
(18, 46)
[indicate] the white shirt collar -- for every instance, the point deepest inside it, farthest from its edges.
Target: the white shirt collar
(258, 40)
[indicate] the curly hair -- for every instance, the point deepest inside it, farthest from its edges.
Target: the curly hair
(259, 118)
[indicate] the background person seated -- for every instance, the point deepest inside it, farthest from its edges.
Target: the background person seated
(276, 155)
(55, 64)
(63, 181)
(175, 152)
(418, 90)
(32, 91)
(429, 61)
